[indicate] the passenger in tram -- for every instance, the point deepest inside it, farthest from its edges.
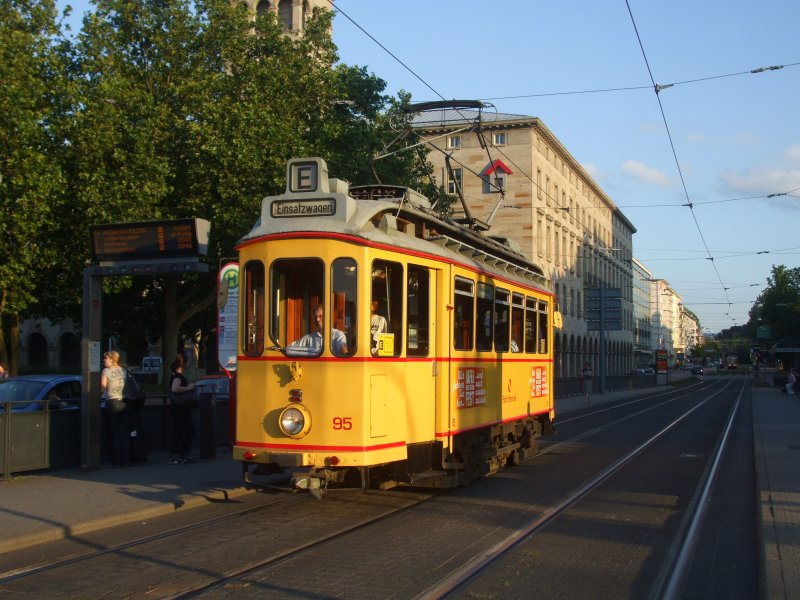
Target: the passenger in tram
(377, 326)
(314, 340)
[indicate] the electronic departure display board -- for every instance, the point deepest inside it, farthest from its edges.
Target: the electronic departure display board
(179, 239)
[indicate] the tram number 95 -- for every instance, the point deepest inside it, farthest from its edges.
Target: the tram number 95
(340, 423)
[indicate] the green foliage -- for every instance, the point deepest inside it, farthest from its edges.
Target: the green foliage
(163, 109)
(31, 183)
(778, 305)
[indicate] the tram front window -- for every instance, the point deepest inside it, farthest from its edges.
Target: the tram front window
(296, 292)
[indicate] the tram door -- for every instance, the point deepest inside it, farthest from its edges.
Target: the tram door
(421, 349)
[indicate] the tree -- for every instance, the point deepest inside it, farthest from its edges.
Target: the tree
(190, 109)
(778, 305)
(31, 179)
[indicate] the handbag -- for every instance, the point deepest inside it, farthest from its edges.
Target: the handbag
(132, 393)
(185, 400)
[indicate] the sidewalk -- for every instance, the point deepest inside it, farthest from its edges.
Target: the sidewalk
(776, 431)
(42, 507)
(47, 506)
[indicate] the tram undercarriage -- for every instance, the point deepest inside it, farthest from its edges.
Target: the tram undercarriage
(475, 454)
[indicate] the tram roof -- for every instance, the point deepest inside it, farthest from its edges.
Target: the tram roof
(396, 216)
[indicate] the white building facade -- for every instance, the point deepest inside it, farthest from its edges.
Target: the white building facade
(555, 212)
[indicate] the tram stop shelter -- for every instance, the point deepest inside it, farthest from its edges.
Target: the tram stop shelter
(788, 351)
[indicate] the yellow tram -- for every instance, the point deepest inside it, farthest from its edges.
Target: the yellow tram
(382, 345)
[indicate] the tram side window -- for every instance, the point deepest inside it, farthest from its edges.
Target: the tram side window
(386, 315)
(501, 316)
(484, 323)
(253, 286)
(464, 308)
(517, 322)
(531, 336)
(544, 311)
(344, 292)
(419, 295)
(296, 290)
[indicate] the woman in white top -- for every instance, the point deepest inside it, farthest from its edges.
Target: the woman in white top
(118, 417)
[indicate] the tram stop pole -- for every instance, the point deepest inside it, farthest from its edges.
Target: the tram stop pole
(91, 351)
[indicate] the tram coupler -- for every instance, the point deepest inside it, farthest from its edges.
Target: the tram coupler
(316, 482)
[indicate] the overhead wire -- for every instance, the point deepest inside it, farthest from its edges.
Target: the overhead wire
(657, 91)
(656, 87)
(645, 87)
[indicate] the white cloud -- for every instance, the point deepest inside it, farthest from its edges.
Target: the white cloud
(642, 172)
(781, 175)
(762, 180)
(792, 154)
(696, 138)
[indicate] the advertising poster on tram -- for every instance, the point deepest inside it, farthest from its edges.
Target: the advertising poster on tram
(470, 388)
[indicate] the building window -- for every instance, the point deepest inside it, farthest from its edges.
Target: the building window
(456, 177)
(499, 138)
(539, 183)
(494, 183)
(454, 142)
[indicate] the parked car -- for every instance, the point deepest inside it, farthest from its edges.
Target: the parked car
(151, 365)
(150, 370)
(697, 370)
(219, 385)
(28, 393)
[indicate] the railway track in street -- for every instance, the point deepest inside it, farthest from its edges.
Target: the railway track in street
(612, 508)
(676, 565)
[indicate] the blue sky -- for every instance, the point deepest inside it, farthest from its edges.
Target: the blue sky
(735, 136)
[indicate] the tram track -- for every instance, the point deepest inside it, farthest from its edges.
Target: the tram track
(185, 576)
(458, 578)
(31, 570)
(296, 552)
(392, 516)
(674, 569)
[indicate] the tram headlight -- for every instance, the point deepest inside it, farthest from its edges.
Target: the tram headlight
(295, 421)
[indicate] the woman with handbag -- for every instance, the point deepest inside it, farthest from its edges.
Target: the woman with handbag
(183, 400)
(112, 387)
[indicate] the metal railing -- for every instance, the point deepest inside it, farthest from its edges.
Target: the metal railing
(51, 438)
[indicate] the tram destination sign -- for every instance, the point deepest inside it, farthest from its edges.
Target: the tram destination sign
(324, 207)
(177, 239)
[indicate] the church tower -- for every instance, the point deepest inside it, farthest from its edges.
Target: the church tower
(292, 13)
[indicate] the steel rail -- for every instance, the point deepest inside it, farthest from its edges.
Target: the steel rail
(676, 567)
(34, 569)
(460, 577)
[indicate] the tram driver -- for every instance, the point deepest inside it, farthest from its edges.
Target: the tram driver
(314, 340)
